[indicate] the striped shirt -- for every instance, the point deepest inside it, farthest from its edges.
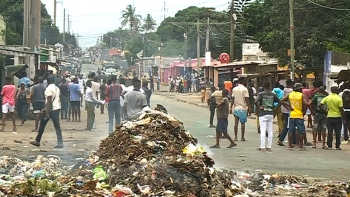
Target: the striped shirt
(114, 92)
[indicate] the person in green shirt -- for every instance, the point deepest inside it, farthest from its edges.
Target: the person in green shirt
(335, 114)
(320, 116)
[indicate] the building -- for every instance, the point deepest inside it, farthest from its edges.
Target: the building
(2, 27)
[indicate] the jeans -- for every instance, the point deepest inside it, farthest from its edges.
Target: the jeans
(114, 112)
(212, 114)
(334, 125)
(90, 108)
(266, 122)
(22, 110)
(64, 106)
(286, 128)
(55, 117)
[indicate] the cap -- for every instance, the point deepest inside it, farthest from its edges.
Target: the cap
(298, 86)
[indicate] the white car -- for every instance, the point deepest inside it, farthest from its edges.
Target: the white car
(111, 71)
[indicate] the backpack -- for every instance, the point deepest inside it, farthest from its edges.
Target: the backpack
(346, 99)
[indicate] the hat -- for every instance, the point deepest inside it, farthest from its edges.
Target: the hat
(298, 86)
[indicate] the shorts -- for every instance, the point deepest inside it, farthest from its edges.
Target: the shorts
(222, 125)
(38, 106)
(7, 108)
(75, 104)
(241, 115)
(308, 112)
(320, 122)
(296, 123)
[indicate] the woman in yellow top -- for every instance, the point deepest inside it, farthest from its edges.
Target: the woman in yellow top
(298, 107)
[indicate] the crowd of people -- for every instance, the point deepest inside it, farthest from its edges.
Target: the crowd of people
(63, 99)
(324, 112)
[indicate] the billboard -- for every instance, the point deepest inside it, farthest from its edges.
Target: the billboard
(251, 49)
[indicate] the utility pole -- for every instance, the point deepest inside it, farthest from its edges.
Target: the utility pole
(54, 11)
(25, 23)
(207, 37)
(64, 26)
(199, 62)
(232, 37)
(110, 42)
(292, 51)
(143, 54)
(68, 23)
(185, 65)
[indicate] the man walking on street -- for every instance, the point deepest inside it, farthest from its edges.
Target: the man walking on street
(75, 94)
(240, 103)
(8, 94)
(147, 91)
(102, 94)
(38, 99)
(296, 121)
(90, 106)
(51, 111)
(334, 117)
(285, 113)
(113, 92)
(64, 98)
(320, 117)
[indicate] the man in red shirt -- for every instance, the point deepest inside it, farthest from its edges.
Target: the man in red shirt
(8, 94)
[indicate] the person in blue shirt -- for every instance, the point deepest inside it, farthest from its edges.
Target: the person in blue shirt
(24, 80)
(278, 112)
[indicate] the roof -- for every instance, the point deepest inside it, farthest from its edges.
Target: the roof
(15, 69)
(20, 51)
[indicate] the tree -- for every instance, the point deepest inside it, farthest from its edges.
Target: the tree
(173, 28)
(116, 38)
(149, 24)
(317, 29)
(130, 17)
(173, 48)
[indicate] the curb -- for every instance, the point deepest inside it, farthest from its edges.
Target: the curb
(180, 100)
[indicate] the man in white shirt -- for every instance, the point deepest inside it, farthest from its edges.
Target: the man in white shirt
(90, 106)
(51, 111)
(240, 102)
(95, 87)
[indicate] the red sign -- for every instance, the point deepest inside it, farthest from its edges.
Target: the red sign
(224, 58)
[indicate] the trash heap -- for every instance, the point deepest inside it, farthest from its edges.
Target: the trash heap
(154, 156)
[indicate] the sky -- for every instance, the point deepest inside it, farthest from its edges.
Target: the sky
(92, 18)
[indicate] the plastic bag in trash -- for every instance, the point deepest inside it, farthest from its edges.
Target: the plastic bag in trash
(193, 150)
(99, 174)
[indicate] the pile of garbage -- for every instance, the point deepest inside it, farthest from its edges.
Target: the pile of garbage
(154, 156)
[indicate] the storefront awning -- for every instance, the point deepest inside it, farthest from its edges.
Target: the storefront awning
(16, 70)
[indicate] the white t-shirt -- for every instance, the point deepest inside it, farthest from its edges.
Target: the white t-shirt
(121, 98)
(131, 88)
(95, 88)
(53, 91)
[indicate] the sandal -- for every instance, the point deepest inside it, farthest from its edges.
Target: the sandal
(261, 149)
(290, 148)
(243, 140)
(302, 149)
(338, 149)
(14, 129)
(232, 145)
(280, 143)
(328, 148)
(2, 130)
(235, 139)
(323, 147)
(268, 149)
(313, 146)
(34, 130)
(215, 146)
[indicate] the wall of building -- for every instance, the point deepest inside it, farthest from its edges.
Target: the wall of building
(2, 27)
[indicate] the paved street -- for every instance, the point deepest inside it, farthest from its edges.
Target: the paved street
(313, 163)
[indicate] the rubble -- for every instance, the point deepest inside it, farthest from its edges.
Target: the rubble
(154, 156)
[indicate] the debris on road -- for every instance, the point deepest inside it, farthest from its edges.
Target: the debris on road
(153, 156)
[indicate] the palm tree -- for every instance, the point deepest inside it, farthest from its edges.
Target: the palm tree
(130, 17)
(149, 24)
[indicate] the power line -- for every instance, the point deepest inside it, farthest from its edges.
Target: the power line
(326, 7)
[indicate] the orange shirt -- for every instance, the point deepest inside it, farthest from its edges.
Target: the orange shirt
(228, 86)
